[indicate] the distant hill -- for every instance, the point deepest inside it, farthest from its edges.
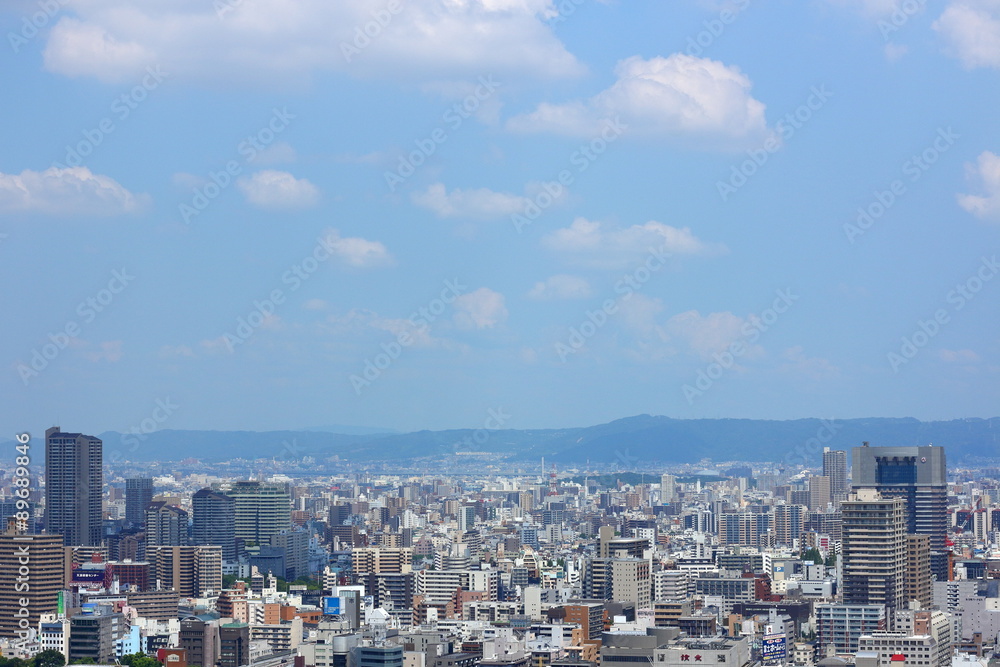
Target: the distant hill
(633, 443)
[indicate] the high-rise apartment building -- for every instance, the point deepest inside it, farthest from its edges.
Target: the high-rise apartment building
(819, 492)
(188, 570)
(214, 521)
(873, 549)
(918, 571)
(382, 561)
(138, 496)
(166, 525)
(835, 467)
(668, 489)
(918, 475)
(260, 510)
(37, 592)
(73, 487)
(789, 522)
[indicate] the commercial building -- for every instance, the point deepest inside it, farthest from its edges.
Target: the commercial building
(918, 475)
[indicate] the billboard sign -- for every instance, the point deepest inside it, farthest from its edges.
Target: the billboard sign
(331, 606)
(772, 648)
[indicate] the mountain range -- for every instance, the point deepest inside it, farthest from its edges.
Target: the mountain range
(631, 443)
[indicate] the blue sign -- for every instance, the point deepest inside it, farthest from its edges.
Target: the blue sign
(772, 648)
(331, 606)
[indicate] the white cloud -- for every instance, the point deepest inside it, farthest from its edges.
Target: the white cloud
(971, 31)
(480, 204)
(815, 368)
(560, 286)
(278, 189)
(280, 152)
(679, 95)
(595, 244)
(109, 350)
(706, 335)
(987, 172)
(72, 191)
(959, 356)
(316, 304)
(355, 251)
(282, 43)
(482, 309)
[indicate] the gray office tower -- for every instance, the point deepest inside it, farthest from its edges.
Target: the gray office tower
(835, 467)
(74, 483)
(138, 496)
(214, 521)
(919, 476)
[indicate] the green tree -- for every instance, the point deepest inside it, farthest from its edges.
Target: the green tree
(812, 554)
(139, 660)
(49, 658)
(831, 560)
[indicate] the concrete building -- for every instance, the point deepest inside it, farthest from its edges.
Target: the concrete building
(74, 481)
(138, 496)
(842, 625)
(873, 551)
(214, 522)
(166, 525)
(918, 475)
(29, 598)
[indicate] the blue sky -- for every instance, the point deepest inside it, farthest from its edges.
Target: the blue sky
(575, 211)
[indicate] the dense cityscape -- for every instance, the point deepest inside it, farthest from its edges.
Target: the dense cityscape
(871, 557)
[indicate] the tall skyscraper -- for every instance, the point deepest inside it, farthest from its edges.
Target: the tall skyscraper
(918, 475)
(668, 485)
(38, 592)
(874, 549)
(261, 509)
(138, 495)
(819, 492)
(74, 482)
(214, 521)
(835, 467)
(166, 525)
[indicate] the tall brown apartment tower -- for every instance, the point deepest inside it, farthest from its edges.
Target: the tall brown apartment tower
(33, 570)
(74, 481)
